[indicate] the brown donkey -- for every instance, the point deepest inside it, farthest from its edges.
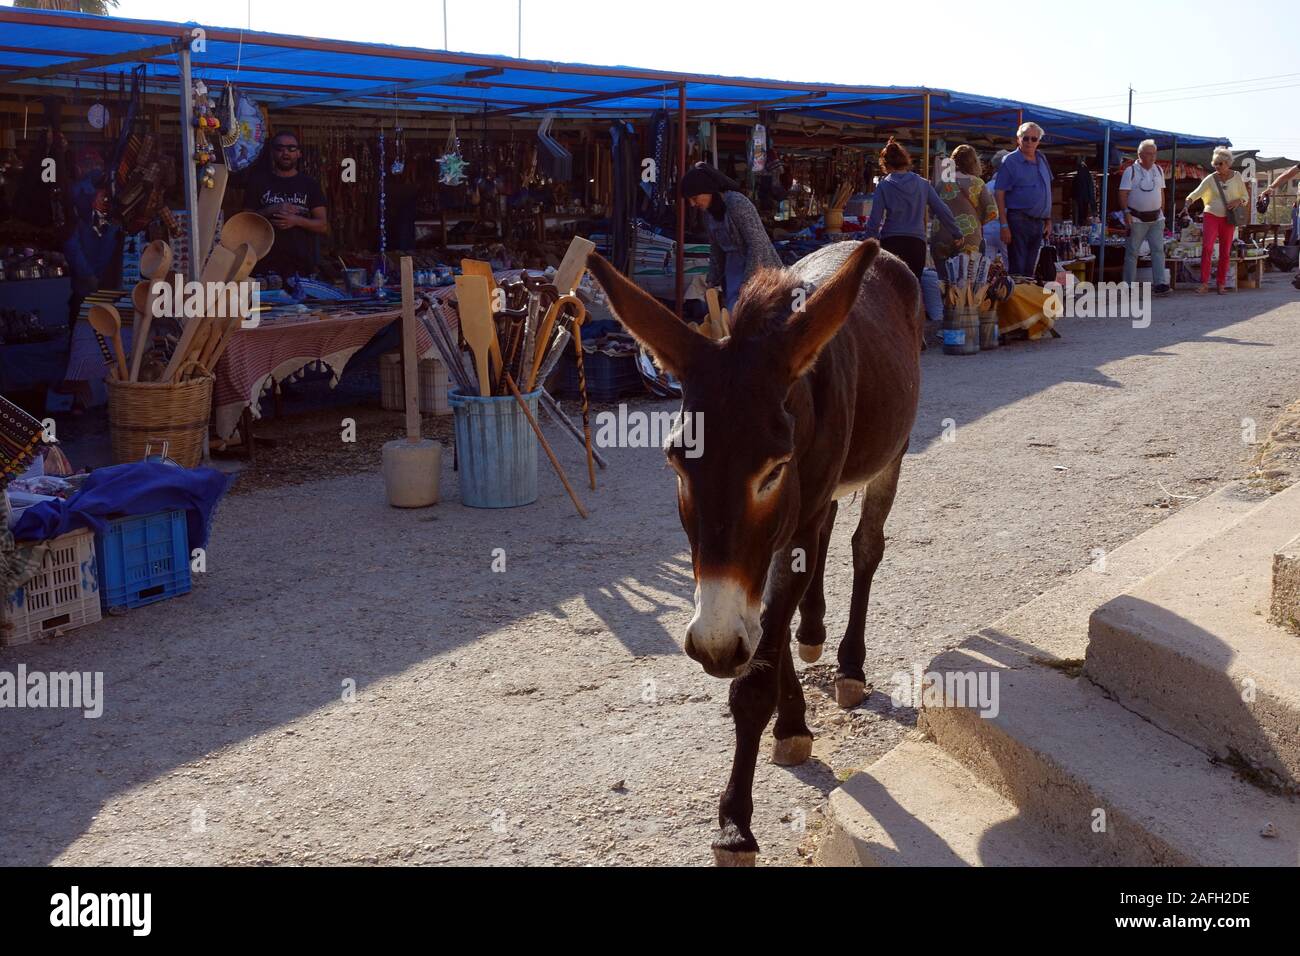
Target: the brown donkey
(810, 399)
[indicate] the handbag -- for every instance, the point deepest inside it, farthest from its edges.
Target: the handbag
(1237, 216)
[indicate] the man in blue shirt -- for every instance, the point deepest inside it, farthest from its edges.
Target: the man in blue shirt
(1024, 196)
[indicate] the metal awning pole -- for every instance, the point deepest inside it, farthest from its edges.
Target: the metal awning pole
(681, 201)
(1105, 185)
(1173, 184)
(187, 162)
(925, 142)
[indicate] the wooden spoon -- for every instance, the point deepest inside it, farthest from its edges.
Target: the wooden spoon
(475, 307)
(105, 320)
(245, 259)
(156, 260)
(221, 263)
(248, 227)
(143, 302)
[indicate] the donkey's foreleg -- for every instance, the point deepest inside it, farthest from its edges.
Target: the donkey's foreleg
(811, 633)
(868, 549)
(752, 700)
(755, 695)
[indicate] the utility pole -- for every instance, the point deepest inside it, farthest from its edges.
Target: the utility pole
(520, 52)
(1130, 106)
(444, 24)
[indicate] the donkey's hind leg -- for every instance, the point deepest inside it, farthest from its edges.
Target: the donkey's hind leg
(811, 633)
(868, 549)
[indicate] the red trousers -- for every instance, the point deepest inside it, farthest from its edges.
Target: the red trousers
(1215, 229)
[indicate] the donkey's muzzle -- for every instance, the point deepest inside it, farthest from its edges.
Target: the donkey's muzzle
(723, 634)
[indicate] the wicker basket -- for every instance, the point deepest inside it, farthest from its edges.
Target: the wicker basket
(140, 413)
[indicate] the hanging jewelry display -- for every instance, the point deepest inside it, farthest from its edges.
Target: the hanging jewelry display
(451, 164)
(383, 225)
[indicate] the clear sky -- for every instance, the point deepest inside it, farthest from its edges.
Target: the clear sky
(1209, 68)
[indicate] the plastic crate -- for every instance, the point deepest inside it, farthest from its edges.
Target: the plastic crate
(609, 377)
(433, 385)
(143, 559)
(62, 595)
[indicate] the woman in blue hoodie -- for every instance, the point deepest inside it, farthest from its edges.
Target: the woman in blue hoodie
(898, 209)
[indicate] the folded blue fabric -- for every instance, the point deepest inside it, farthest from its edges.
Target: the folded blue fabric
(138, 488)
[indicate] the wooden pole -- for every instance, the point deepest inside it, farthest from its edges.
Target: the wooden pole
(410, 360)
(555, 462)
(187, 161)
(681, 202)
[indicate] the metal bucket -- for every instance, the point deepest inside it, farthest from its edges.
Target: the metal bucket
(496, 450)
(989, 330)
(961, 331)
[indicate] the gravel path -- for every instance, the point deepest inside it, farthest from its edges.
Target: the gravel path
(546, 714)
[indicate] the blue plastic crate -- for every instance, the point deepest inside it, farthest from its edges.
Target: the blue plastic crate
(143, 559)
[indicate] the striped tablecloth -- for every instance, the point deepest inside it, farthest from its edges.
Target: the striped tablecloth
(258, 358)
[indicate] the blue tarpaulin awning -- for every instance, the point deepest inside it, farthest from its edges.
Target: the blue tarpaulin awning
(285, 71)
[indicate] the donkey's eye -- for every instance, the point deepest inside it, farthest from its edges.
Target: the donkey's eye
(772, 478)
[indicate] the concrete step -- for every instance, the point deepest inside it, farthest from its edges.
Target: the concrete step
(1059, 749)
(1101, 779)
(1056, 622)
(1284, 605)
(1191, 647)
(917, 806)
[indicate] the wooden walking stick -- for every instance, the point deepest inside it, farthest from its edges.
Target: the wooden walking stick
(555, 462)
(582, 393)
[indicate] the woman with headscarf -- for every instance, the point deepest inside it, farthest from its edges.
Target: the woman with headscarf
(968, 199)
(739, 245)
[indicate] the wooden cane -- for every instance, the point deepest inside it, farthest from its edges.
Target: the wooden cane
(537, 429)
(582, 394)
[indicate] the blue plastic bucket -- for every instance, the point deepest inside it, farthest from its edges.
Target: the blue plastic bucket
(496, 449)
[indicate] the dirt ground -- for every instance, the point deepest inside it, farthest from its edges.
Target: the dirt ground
(546, 714)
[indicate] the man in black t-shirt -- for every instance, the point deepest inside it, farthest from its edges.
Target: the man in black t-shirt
(294, 203)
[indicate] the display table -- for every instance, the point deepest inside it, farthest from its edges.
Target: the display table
(259, 358)
(262, 357)
(1246, 273)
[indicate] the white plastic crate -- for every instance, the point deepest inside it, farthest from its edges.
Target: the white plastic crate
(62, 595)
(433, 385)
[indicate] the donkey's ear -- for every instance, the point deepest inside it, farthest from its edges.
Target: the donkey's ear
(672, 341)
(826, 309)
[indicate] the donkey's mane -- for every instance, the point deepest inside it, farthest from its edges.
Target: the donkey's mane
(766, 303)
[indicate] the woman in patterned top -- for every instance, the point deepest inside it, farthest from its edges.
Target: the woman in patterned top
(738, 243)
(968, 199)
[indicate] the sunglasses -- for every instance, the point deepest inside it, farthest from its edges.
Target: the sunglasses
(284, 149)
(1030, 139)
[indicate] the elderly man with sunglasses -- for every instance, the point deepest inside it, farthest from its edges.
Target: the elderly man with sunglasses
(1142, 197)
(1024, 197)
(294, 203)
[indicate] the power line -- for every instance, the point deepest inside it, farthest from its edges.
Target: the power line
(1111, 97)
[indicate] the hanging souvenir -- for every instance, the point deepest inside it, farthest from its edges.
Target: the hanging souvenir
(97, 116)
(452, 165)
(758, 149)
(248, 127)
(399, 152)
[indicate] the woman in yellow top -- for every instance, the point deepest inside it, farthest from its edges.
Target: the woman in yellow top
(968, 199)
(1221, 184)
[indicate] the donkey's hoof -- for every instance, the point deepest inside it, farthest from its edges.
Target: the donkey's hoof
(791, 751)
(810, 653)
(723, 857)
(849, 692)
